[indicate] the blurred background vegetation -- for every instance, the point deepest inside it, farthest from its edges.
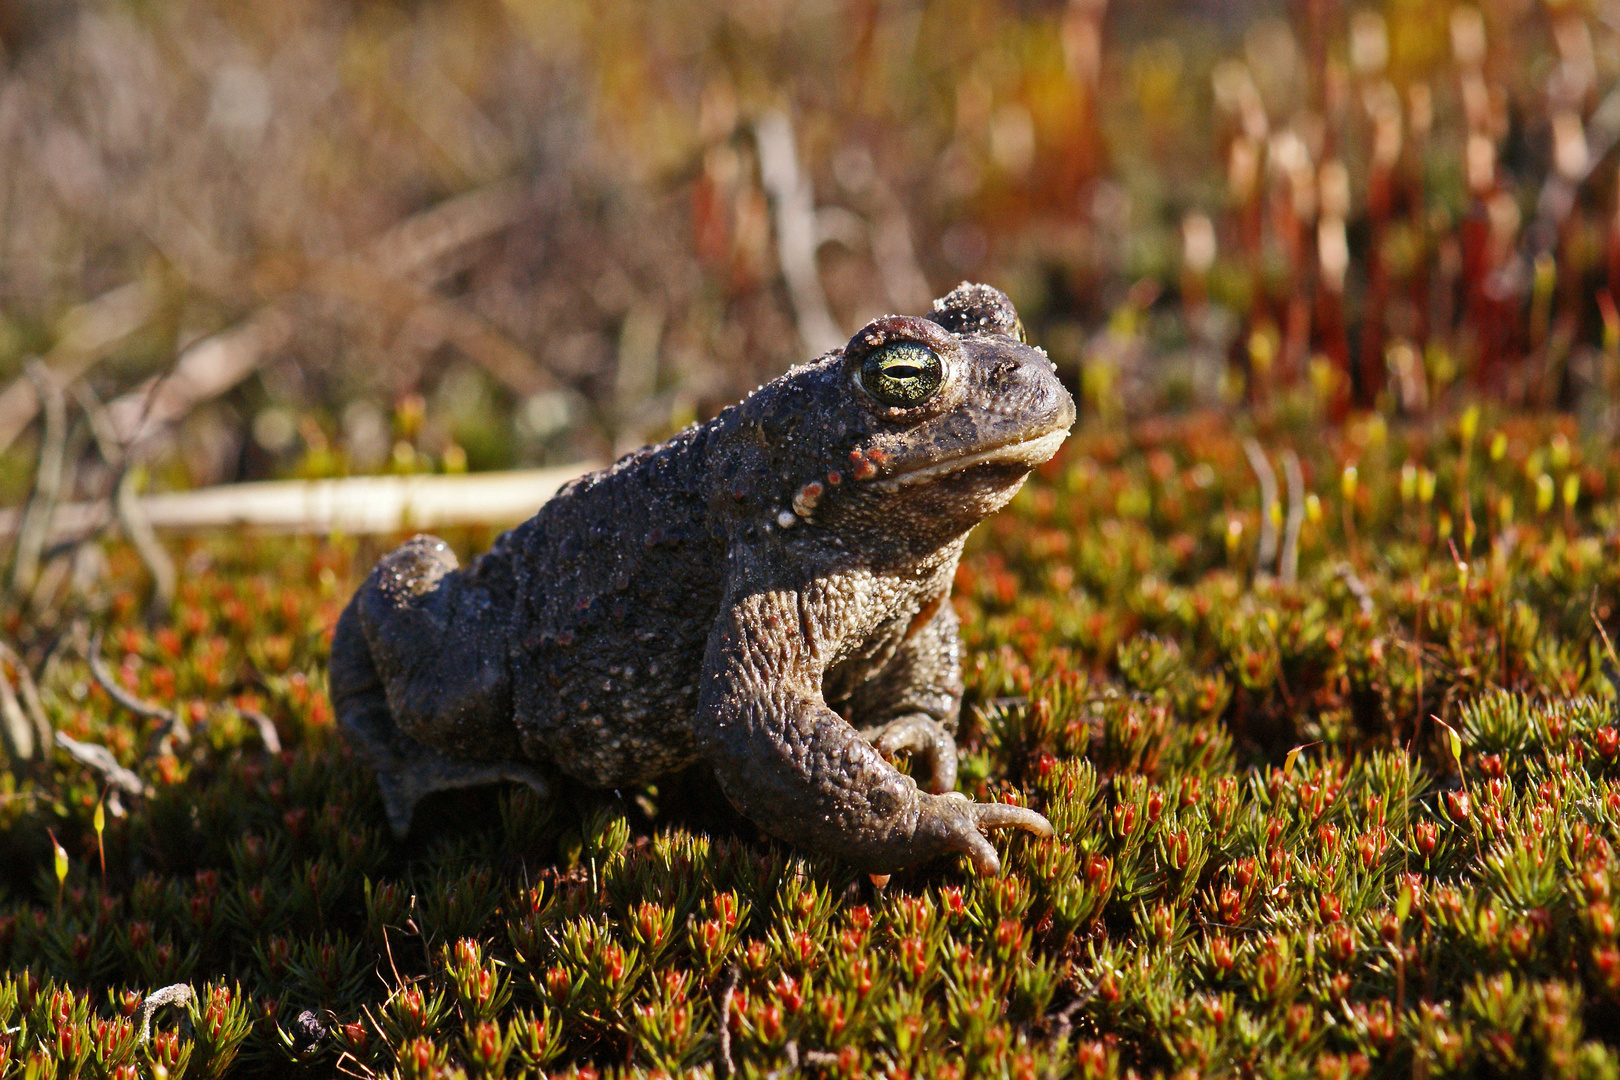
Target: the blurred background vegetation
(318, 238)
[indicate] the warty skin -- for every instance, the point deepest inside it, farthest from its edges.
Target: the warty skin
(767, 593)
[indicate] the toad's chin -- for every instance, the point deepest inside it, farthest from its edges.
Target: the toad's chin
(1014, 459)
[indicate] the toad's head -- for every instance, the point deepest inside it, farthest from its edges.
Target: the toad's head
(915, 431)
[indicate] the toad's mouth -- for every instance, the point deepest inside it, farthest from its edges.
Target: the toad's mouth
(1026, 453)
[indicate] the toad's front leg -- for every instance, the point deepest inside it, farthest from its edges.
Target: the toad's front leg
(908, 707)
(802, 773)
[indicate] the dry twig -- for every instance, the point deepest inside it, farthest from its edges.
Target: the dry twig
(27, 728)
(1357, 587)
(36, 524)
(101, 760)
(356, 504)
(216, 364)
(89, 332)
(178, 994)
(171, 728)
(267, 729)
(1288, 562)
(1268, 498)
(794, 203)
(132, 519)
(727, 1066)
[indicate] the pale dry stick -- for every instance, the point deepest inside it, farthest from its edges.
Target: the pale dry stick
(351, 505)
(36, 526)
(33, 709)
(178, 994)
(20, 738)
(127, 505)
(127, 508)
(1557, 196)
(1357, 587)
(89, 332)
(727, 1066)
(55, 560)
(101, 426)
(423, 240)
(896, 255)
(794, 202)
(1263, 471)
(99, 759)
(1288, 561)
(267, 729)
(204, 371)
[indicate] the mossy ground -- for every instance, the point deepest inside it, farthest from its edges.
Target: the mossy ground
(1388, 900)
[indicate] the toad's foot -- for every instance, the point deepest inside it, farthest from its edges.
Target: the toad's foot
(953, 822)
(409, 782)
(407, 771)
(419, 682)
(921, 736)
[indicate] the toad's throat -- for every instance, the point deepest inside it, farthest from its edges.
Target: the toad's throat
(1025, 452)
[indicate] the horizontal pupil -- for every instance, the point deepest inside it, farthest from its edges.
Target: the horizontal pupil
(902, 371)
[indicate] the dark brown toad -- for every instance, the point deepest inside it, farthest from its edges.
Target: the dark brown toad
(767, 593)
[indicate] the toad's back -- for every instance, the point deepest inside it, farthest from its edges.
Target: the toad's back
(616, 584)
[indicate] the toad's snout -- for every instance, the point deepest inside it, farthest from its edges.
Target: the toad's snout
(1022, 393)
(1048, 407)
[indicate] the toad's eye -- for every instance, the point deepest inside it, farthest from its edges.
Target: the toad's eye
(902, 374)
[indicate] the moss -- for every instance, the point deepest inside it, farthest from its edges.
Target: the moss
(1362, 823)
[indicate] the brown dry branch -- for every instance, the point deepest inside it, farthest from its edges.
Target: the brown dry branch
(87, 333)
(221, 361)
(171, 727)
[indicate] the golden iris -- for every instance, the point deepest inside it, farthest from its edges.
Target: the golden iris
(902, 374)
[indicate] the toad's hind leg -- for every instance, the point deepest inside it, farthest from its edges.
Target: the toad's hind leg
(419, 678)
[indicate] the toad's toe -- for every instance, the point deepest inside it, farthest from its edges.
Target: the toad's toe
(958, 824)
(920, 736)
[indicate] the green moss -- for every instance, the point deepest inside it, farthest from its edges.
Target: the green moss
(1269, 860)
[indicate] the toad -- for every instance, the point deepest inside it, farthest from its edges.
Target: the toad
(766, 593)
